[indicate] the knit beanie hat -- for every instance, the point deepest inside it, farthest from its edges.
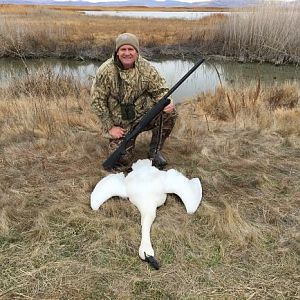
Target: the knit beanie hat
(127, 39)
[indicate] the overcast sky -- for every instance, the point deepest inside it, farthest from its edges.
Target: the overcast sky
(189, 1)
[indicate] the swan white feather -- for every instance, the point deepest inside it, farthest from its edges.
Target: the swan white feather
(110, 186)
(189, 191)
(147, 188)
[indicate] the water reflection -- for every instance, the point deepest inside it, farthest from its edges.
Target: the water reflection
(205, 78)
(15, 68)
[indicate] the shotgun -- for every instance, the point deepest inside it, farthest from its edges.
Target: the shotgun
(113, 159)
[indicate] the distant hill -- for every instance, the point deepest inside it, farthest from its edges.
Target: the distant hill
(149, 3)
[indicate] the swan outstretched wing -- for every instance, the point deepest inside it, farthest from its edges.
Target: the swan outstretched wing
(190, 191)
(110, 186)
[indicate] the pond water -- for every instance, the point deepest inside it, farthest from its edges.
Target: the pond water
(205, 78)
(187, 15)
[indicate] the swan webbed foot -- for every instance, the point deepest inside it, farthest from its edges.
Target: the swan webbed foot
(152, 261)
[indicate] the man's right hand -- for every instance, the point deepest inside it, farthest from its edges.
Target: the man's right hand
(117, 132)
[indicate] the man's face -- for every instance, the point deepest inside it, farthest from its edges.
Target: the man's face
(127, 55)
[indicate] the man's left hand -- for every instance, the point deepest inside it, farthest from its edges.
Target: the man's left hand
(169, 108)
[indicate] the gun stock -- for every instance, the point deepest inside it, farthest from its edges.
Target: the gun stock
(112, 160)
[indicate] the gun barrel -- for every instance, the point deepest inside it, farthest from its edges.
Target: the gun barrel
(175, 87)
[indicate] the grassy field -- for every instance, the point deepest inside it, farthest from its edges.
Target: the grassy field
(262, 33)
(242, 243)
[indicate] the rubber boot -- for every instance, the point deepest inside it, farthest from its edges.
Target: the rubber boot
(158, 160)
(158, 139)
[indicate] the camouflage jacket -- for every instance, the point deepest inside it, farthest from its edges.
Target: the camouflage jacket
(142, 86)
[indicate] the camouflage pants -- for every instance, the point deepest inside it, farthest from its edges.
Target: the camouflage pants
(159, 135)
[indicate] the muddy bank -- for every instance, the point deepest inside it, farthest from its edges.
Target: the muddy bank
(90, 51)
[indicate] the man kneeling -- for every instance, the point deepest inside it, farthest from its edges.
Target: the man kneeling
(126, 86)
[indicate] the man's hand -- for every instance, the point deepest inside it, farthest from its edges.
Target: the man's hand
(117, 132)
(169, 108)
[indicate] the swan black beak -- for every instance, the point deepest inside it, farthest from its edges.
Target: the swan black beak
(152, 261)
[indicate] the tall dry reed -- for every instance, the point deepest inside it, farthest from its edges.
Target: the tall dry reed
(267, 32)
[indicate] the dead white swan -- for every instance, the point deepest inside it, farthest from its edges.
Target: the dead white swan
(147, 188)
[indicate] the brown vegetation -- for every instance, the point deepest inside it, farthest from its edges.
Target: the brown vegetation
(38, 32)
(242, 243)
(264, 33)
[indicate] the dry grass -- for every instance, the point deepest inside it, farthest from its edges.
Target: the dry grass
(264, 33)
(40, 84)
(242, 243)
(38, 32)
